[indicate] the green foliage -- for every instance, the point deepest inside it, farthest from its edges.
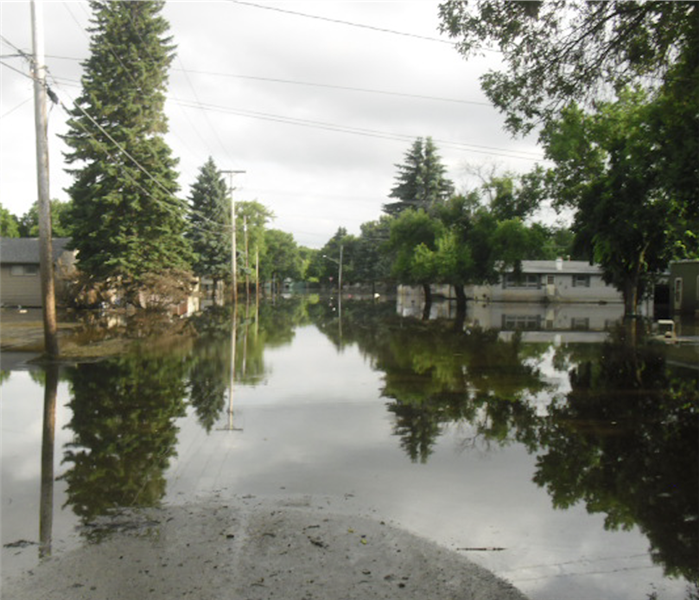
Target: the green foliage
(9, 224)
(561, 50)
(209, 229)
(421, 181)
(61, 226)
(513, 242)
(251, 218)
(567, 50)
(127, 220)
(328, 259)
(281, 257)
(371, 258)
(409, 231)
(515, 196)
(626, 219)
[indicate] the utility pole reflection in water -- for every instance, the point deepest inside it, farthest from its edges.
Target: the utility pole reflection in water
(231, 385)
(47, 447)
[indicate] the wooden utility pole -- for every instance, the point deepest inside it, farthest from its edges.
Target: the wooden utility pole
(234, 251)
(247, 259)
(42, 166)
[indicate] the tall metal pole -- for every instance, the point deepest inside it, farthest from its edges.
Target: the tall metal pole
(234, 261)
(42, 166)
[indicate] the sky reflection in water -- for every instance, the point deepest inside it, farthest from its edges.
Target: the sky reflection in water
(468, 439)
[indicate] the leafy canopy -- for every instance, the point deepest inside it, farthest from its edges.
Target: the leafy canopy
(563, 50)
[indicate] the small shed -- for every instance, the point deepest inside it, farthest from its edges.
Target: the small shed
(684, 285)
(20, 283)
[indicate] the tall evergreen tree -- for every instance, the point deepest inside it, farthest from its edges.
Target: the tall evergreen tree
(209, 229)
(127, 221)
(421, 181)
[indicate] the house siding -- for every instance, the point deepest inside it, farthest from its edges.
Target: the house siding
(19, 290)
(551, 287)
(543, 281)
(684, 287)
(20, 281)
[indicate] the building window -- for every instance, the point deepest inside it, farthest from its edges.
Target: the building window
(581, 281)
(523, 281)
(550, 279)
(531, 322)
(580, 324)
(24, 270)
(678, 293)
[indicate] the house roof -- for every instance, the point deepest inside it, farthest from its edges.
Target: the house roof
(25, 251)
(571, 267)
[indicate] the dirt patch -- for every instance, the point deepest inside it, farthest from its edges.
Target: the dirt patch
(258, 550)
(24, 332)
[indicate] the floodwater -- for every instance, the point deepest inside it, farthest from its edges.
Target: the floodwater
(533, 440)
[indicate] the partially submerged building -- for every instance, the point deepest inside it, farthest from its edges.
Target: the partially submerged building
(551, 281)
(684, 285)
(20, 283)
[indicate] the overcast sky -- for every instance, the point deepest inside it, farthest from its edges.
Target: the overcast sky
(315, 110)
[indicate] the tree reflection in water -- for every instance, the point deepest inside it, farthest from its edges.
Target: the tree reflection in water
(123, 420)
(623, 440)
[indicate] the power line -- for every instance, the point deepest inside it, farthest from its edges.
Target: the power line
(314, 84)
(338, 87)
(481, 149)
(343, 22)
(362, 131)
(20, 105)
(129, 73)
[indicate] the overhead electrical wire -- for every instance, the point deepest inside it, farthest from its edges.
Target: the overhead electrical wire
(342, 22)
(166, 206)
(305, 122)
(524, 155)
(194, 92)
(315, 84)
(480, 149)
(127, 71)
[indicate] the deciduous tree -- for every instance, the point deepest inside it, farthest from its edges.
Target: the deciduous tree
(9, 226)
(562, 50)
(626, 218)
(60, 220)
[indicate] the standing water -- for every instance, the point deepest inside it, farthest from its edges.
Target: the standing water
(564, 461)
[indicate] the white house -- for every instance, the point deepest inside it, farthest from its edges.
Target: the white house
(549, 281)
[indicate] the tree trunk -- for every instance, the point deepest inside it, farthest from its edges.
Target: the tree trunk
(428, 302)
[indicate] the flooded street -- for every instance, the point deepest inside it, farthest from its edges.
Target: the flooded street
(560, 458)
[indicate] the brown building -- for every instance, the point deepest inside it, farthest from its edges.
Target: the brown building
(20, 284)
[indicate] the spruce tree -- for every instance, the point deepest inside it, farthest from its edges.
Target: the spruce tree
(128, 223)
(209, 229)
(421, 181)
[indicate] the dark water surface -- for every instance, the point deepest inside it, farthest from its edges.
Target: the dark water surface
(565, 461)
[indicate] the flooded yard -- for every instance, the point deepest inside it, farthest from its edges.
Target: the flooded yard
(541, 446)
